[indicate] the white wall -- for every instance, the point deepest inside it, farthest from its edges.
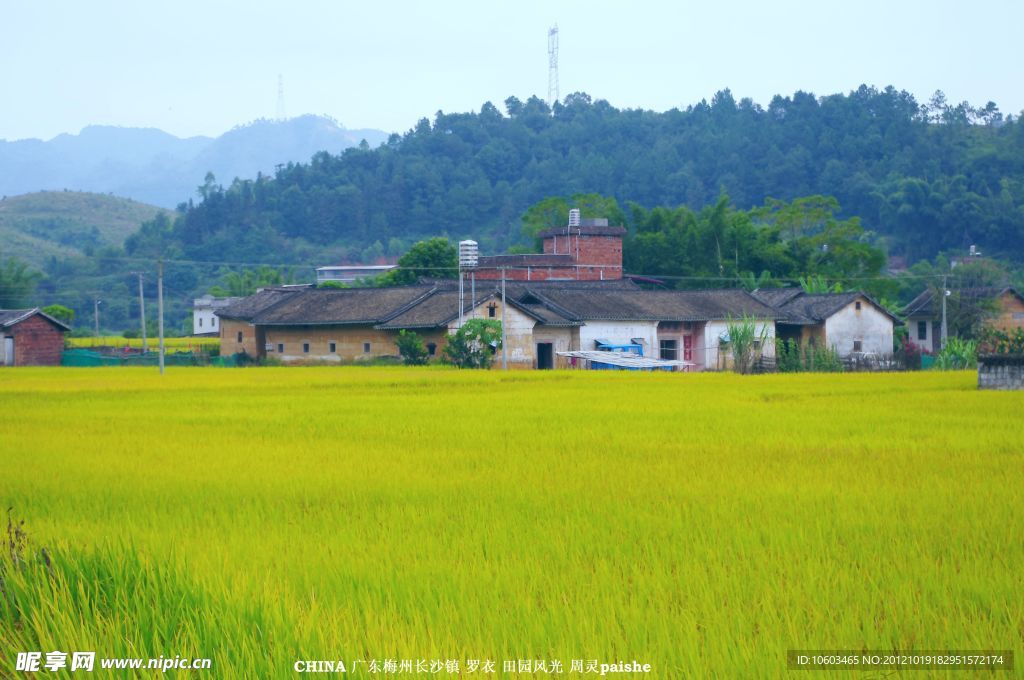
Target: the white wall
(204, 321)
(620, 333)
(713, 330)
(868, 324)
(928, 344)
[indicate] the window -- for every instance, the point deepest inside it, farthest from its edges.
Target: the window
(669, 350)
(200, 322)
(305, 348)
(213, 322)
(366, 348)
(857, 346)
(239, 336)
(492, 310)
(432, 348)
(332, 347)
(280, 348)
(757, 345)
(922, 330)
(857, 305)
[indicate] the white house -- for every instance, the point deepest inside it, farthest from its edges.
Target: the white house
(852, 324)
(204, 318)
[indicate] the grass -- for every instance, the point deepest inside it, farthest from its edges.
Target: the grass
(701, 523)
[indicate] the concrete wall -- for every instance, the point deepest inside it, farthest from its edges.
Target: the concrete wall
(1004, 372)
(204, 322)
(868, 324)
(930, 343)
(620, 332)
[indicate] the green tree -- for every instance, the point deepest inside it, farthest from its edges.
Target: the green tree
(434, 258)
(474, 345)
(554, 212)
(17, 283)
(411, 348)
(60, 313)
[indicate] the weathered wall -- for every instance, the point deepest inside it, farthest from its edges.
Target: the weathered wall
(518, 332)
(37, 342)
(929, 343)
(1001, 372)
(868, 324)
(233, 343)
(561, 339)
(350, 343)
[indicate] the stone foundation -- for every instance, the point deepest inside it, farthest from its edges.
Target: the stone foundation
(1001, 372)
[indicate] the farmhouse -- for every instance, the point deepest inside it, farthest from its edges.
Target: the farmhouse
(30, 338)
(542, 319)
(1004, 308)
(850, 323)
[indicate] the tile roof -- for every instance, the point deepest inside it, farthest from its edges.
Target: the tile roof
(336, 306)
(10, 317)
(248, 307)
(643, 305)
(924, 304)
(775, 297)
(809, 309)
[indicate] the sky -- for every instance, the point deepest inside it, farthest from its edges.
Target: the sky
(202, 67)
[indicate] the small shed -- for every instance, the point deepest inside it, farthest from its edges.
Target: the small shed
(30, 337)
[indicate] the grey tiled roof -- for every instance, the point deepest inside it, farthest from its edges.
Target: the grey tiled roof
(806, 309)
(334, 306)
(248, 307)
(10, 317)
(924, 304)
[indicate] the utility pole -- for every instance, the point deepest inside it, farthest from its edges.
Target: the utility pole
(504, 337)
(142, 313)
(942, 333)
(96, 316)
(160, 309)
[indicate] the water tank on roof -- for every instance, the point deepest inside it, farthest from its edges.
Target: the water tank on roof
(469, 254)
(574, 217)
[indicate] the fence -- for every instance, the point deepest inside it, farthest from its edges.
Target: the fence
(91, 358)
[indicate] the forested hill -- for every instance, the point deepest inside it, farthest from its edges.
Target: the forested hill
(924, 178)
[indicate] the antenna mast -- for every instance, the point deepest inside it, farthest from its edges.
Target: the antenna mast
(553, 65)
(280, 98)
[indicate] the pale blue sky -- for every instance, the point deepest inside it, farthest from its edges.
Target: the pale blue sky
(193, 67)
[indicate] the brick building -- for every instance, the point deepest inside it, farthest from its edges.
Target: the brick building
(30, 338)
(591, 251)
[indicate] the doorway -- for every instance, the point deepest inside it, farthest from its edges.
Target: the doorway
(8, 352)
(545, 356)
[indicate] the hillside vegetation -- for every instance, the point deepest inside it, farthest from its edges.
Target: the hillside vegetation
(60, 224)
(923, 178)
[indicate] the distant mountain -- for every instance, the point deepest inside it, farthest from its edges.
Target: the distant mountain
(61, 224)
(155, 167)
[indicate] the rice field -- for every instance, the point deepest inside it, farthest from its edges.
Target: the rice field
(704, 524)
